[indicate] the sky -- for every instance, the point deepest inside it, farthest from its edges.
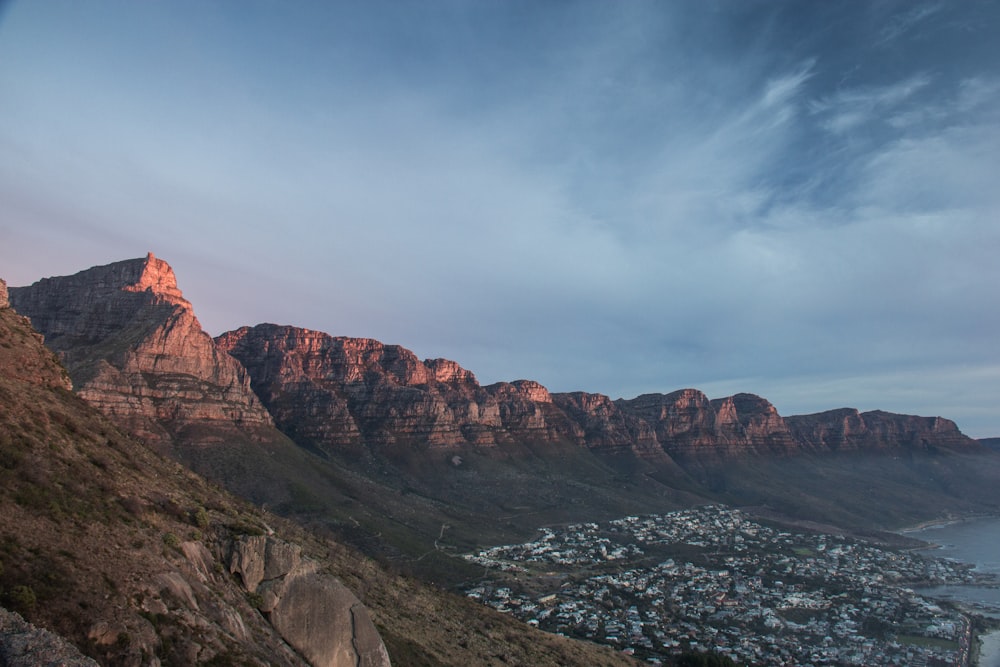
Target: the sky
(790, 198)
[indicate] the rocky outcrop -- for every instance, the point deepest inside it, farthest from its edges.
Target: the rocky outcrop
(329, 392)
(848, 430)
(316, 614)
(608, 428)
(690, 426)
(24, 645)
(4, 299)
(136, 351)
(34, 362)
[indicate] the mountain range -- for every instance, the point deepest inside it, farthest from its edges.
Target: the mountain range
(117, 555)
(414, 461)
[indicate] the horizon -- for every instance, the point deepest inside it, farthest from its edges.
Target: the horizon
(789, 200)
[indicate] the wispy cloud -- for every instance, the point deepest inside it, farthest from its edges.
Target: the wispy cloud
(849, 109)
(901, 24)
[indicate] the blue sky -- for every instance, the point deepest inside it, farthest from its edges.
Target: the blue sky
(795, 199)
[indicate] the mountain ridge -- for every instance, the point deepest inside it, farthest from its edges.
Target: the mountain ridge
(139, 561)
(414, 460)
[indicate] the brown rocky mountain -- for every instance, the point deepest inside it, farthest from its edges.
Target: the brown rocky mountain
(130, 555)
(135, 350)
(393, 452)
(138, 561)
(329, 392)
(849, 430)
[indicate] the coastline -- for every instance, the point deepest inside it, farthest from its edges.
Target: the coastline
(946, 521)
(986, 649)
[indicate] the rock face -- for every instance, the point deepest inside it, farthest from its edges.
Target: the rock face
(90, 522)
(849, 430)
(330, 392)
(4, 299)
(316, 614)
(135, 350)
(24, 645)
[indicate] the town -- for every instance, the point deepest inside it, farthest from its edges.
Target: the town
(713, 579)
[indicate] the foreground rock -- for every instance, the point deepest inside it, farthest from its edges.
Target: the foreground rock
(24, 645)
(125, 552)
(315, 613)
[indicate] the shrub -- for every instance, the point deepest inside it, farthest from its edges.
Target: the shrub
(200, 518)
(22, 598)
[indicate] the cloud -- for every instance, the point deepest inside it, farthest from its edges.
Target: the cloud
(905, 22)
(847, 110)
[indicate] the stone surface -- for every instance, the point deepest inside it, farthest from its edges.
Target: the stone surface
(330, 392)
(24, 645)
(4, 299)
(136, 351)
(315, 613)
(847, 429)
(323, 620)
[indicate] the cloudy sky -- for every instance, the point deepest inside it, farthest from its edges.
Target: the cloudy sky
(796, 199)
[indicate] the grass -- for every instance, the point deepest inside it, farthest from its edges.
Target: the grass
(928, 642)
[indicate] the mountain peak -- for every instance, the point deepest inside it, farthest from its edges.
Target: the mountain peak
(153, 275)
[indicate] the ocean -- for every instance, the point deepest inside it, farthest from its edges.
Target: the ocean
(976, 542)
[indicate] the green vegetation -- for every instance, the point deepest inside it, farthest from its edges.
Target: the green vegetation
(22, 599)
(932, 642)
(200, 518)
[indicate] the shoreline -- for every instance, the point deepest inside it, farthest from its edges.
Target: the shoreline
(940, 523)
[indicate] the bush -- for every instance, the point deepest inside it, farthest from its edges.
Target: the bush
(22, 598)
(171, 540)
(200, 518)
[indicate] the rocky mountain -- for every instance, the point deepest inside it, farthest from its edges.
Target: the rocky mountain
(330, 392)
(138, 561)
(415, 459)
(135, 350)
(130, 555)
(849, 430)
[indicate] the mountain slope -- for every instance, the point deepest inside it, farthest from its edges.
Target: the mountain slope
(135, 559)
(415, 460)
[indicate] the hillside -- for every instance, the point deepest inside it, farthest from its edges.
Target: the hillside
(135, 559)
(414, 461)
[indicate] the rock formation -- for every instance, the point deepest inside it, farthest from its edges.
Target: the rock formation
(315, 613)
(24, 645)
(847, 429)
(91, 525)
(135, 350)
(4, 299)
(329, 392)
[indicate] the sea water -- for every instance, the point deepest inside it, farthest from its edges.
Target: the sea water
(976, 542)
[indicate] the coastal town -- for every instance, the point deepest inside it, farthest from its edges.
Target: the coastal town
(713, 579)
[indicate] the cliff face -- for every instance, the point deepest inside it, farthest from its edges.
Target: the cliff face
(328, 393)
(331, 392)
(135, 350)
(124, 552)
(847, 429)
